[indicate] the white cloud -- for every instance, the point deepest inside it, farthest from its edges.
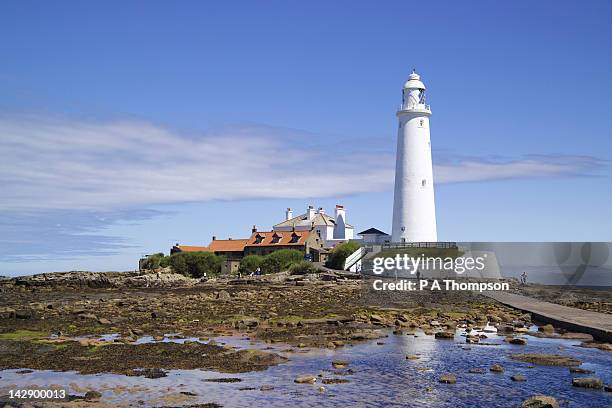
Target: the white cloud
(67, 164)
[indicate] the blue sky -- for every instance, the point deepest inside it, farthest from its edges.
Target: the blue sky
(128, 126)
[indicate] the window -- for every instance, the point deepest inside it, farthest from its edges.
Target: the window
(276, 239)
(421, 122)
(423, 182)
(258, 239)
(294, 238)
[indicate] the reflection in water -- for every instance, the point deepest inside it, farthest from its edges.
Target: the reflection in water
(379, 375)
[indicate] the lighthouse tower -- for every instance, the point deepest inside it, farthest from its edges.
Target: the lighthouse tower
(414, 211)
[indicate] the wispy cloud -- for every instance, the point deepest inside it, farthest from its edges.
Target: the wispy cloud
(532, 166)
(63, 234)
(79, 165)
(64, 181)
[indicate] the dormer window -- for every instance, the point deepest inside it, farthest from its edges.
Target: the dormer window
(276, 238)
(258, 239)
(294, 238)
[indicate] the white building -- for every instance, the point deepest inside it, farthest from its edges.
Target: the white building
(333, 230)
(374, 236)
(414, 212)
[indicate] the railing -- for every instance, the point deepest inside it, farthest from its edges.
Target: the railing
(420, 245)
(419, 106)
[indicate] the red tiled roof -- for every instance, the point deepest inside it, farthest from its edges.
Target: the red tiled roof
(217, 245)
(190, 248)
(284, 238)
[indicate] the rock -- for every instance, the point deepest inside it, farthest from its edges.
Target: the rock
(152, 373)
(24, 314)
(339, 364)
(477, 370)
(578, 370)
(266, 387)
(504, 328)
(587, 382)
(334, 381)
(412, 357)
(547, 359)
(7, 313)
(472, 339)
(521, 330)
(377, 319)
(104, 321)
(92, 395)
(540, 401)
(518, 378)
(496, 368)
(258, 357)
(519, 341)
(223, 296)
(403, 318)
(600, 346)
(448, 379)
(577, 336)
(305, 379)
(547, 328)
(444, 335)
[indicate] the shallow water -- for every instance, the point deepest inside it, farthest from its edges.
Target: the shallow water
(382, 376)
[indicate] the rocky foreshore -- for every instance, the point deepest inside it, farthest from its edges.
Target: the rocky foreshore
(96, 322)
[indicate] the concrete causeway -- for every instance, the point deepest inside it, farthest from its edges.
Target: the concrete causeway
(599, 325)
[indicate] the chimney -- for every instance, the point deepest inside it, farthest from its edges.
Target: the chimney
(340, 213)
(229, 239)
(214, 238)
(288, 214)
(321, 210)
(340, 227)
(254, 229)
(310, 212)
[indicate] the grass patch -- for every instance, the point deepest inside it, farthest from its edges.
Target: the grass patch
(22, 335)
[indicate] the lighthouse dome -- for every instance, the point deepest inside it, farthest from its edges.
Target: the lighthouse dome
(414, 81)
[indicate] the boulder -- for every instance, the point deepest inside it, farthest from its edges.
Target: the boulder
(339, 364)
(587, 382)
(305, 379)
(578, 370)
(547, 359)
(448, 379)
(496, 368)
(376, 319)
(518, 378)
(540, 401)
(92, 395)
(519, 341)
(547, 328)
(444, 335)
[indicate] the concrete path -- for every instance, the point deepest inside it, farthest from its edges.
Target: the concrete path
(599, 325)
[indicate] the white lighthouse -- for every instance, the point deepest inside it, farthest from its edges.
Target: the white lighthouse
(414, 211)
